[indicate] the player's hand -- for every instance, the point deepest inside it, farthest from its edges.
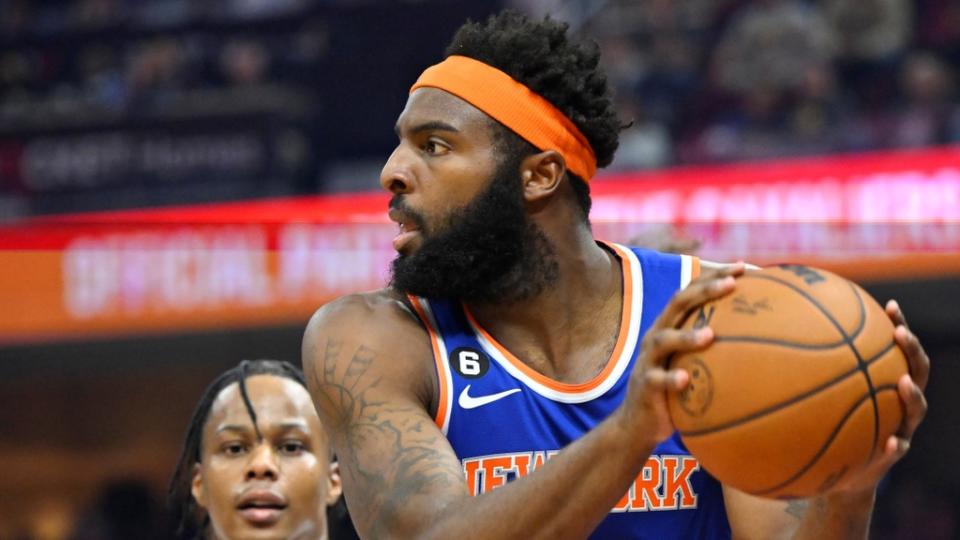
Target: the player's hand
(644, 410)
(910, 388)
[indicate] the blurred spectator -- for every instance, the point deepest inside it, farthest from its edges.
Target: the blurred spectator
(165, 13)
(98, 70)
(154, 72)
(244, 63)
(700, 80)
(939, 27)
(922, 118)
(261, 8)
(16, 17)
(655, 52)
(626, 64)
(816, 115)
(772, 44)
(95, 14)
(733, 80)
(870, 30)
(673, 77)
(645, 144)
(774, 92)
(124, 510)
(873, 36)
(101, 78)
(756, 128)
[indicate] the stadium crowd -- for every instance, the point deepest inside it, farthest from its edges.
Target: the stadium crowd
(66, 62)
(701, 80)
(728, 80)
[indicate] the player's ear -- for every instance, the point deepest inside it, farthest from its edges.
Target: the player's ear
(541, 174)
(197, 487)
(334, 485)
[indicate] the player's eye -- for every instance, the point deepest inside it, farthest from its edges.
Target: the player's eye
(235, 448)
(435, 148)
(292, 447)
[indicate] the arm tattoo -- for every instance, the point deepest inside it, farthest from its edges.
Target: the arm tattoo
(797, 508)
(387, 453)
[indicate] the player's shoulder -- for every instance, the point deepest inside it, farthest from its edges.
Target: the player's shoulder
(382, 310)
(372, 335)
(379, 321)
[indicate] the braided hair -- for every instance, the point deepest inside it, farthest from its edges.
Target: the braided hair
(539, 55)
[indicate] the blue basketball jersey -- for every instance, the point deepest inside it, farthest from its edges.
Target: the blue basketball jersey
(504, 419)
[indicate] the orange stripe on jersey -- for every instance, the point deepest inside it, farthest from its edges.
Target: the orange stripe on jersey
(438, 359)
(625, 316)
(694, 267)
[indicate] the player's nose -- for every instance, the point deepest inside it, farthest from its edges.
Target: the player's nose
(397, 174)
(262, 464)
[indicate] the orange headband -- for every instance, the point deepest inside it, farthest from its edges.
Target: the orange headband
(514, 105)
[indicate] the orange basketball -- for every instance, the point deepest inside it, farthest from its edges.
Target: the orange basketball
(799, 387)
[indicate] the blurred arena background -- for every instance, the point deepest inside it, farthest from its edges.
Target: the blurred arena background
(182, 182)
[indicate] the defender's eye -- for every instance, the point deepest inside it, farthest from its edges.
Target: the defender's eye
(292, 447)
(234, 448)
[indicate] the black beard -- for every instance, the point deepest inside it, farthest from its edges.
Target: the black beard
(487, 251)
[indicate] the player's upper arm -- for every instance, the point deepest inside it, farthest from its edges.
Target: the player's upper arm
(368, 363)
(755, 518)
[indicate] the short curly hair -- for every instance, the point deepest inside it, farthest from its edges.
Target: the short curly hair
(539, 55)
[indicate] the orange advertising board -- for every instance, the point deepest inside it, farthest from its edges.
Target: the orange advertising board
(269, 262)
(184, 278)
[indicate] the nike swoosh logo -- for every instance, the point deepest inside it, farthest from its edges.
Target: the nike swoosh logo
(467, 401)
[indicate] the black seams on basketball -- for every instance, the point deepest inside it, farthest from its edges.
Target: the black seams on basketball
(799, 388)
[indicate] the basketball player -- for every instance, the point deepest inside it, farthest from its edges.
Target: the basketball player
(517, 360)
(256, 462)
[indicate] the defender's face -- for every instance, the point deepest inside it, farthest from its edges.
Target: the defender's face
(274, 488)
(445, 157)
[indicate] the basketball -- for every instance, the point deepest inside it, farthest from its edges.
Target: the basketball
(799, 387)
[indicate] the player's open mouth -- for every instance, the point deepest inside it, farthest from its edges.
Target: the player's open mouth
(409, 231)
(406, 235)
(262, 508)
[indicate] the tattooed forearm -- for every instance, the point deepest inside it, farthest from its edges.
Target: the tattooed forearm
(389, 453)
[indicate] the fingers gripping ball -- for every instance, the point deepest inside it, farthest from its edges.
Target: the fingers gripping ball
(798, 389)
